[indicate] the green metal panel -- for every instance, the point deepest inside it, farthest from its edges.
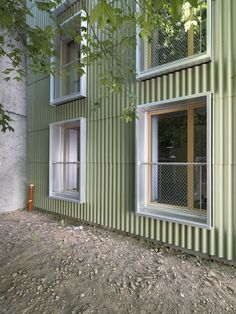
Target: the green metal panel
(111, 145)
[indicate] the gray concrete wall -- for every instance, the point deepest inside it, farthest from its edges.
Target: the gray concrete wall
(13, 145)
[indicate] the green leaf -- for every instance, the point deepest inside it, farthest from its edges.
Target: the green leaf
(104, 14)
(5, 121)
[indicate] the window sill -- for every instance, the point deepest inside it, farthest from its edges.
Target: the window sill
(62, 100)
(196, 219)
(70, 197)
(174, 66)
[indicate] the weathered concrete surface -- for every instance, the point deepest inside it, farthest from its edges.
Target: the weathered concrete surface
(13, 145)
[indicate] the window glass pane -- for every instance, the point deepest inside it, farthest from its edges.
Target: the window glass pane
(173, 40)
(200, 135)
(57, 86)
(67, 82)
(72, 159)
(57, 174)
(169, 149)
(71, 68)
(200, 156)
(171, 131)
(176, 178)
(70, 59)
(57, 76)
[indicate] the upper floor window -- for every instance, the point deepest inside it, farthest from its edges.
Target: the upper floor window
(67, 84)
(176, 43)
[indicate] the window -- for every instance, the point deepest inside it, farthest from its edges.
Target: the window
(174, 160)
(174, 46)
(67, 168)
(67, 84)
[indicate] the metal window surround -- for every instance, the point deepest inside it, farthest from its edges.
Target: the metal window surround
(58, 127)
(170, 213)
(179, 64)
(83, 79)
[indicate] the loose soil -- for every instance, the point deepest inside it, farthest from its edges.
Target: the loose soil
(49, 266)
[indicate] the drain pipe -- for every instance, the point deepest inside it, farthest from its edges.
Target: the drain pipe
(30, 201)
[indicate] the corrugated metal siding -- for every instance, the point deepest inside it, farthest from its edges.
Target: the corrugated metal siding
(111, 146)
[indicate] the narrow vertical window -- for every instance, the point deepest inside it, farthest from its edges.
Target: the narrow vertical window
(67, 84)
(68, 159)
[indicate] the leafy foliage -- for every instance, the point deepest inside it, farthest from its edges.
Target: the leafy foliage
(5, 120)
(111, 33)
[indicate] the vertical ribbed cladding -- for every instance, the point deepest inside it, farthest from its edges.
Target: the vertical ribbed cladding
(217, 77)
(111, 144)
(230, 122)
(224, 89)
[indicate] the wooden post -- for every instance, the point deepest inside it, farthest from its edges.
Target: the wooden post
(190, 158)
(191, 41)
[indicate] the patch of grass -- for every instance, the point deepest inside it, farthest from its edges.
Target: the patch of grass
(61, 223)
(35, 237)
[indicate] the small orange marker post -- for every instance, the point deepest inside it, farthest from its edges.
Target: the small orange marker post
(30, 201)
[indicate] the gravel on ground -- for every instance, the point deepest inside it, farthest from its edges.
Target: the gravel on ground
(53, 265)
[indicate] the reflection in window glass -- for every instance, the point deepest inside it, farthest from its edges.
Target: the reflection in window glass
(173, 39)
(178, 166)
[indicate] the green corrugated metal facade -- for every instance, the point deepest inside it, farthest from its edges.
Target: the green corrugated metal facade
(111, 146)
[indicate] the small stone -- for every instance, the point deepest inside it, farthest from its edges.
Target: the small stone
(10, 289)
(78, 228)
(182, 295)
(57, 297)
(82, 295)
(132, 286)
(14, 275)
(207, 283)
(95, 271)
(231, 289)
(139, 279)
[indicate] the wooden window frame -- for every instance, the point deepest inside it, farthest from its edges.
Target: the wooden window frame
(190, 145)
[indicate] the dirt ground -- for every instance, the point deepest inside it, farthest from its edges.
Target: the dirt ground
(49, 266)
